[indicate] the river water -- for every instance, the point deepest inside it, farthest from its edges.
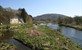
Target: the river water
(74, 34)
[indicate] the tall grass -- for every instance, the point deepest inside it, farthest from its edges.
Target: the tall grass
(48, 40)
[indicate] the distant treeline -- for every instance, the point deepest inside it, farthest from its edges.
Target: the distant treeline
(77, 20)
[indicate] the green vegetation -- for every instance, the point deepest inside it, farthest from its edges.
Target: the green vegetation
(44, 38)
(8, 14)
(75, 22)
(35, 37)
(4, 45)
(29, 20)
(41, 38)
(23, 14)
(4, 36)
(4, 16)
(78, 20)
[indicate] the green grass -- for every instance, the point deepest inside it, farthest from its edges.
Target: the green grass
(49, 40)
(4, 45)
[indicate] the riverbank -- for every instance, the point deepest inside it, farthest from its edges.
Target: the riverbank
(78, 27)
(41, 38)
(44, 38)
(18, 44)
(5, 45)
(7, 41)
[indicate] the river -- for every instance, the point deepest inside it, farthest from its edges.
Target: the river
(74, 34)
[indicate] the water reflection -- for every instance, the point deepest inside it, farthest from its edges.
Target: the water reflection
(53, 26)
(67, 31)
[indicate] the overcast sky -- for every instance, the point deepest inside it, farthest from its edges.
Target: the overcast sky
(38, 7)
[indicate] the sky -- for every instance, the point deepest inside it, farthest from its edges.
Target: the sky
(39, 7)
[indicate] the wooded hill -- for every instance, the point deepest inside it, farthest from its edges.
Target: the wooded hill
(49, 17)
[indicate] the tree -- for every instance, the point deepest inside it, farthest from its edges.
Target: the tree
(78, 19)
(23, 15)
(4, 16)
(59, 20)
(68, 20)
(29, 19)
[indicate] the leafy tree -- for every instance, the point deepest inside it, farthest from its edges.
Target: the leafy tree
(59, 20)
(68, 20)
(78, 19)
(23, 15)
(4, 16)
(29, 19)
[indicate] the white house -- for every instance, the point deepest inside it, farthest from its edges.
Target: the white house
(16, 20)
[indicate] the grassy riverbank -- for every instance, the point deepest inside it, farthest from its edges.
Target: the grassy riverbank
(44, 38)
(78, 27)
(5, 45)
(38, 38)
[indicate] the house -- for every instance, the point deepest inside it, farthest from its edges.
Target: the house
(12, 16)
(15, 17)
(16, 20)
